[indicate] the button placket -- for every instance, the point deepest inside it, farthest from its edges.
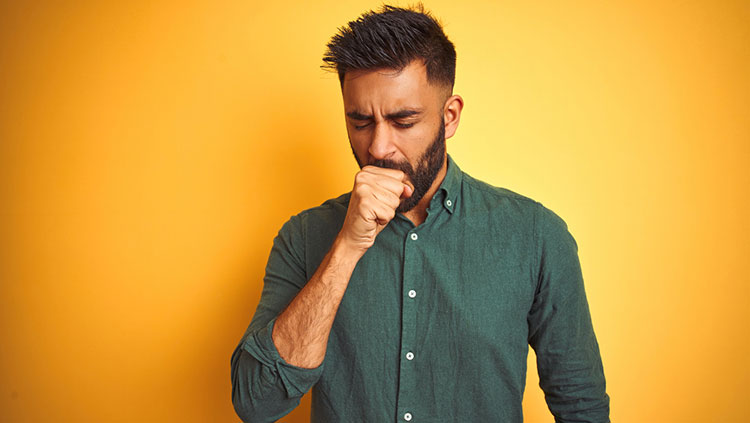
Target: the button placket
(407, 378)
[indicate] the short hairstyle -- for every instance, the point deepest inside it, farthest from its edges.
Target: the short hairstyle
(392, 38)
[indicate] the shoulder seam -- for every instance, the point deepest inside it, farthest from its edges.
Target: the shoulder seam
(494, 190)
(326, 205)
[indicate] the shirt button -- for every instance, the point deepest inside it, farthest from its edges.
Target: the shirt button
(410, 356)
(412, 293)
(414, 237)
(449, 203)
(407, 417)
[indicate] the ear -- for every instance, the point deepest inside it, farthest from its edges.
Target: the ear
(452, 114)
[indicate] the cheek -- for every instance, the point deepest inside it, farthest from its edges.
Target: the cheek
(359, 146)
(415, 141)
(358, 142)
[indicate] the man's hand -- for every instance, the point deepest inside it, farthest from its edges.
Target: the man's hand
(375, 197)
(301, 331)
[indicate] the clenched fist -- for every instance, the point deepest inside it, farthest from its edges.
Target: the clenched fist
(376, 194)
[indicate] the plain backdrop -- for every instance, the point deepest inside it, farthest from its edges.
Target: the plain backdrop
(150, 151)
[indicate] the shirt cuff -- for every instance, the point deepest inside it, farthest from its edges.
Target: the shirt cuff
(296, 380)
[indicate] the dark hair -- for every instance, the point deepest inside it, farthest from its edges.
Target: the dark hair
(393, 38)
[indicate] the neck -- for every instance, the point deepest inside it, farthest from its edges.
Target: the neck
(419, 213)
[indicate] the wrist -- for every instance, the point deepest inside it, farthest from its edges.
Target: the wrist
(346, 253)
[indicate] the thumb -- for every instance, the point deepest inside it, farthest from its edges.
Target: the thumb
(408, 190)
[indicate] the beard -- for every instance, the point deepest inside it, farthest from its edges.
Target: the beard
(428, 166)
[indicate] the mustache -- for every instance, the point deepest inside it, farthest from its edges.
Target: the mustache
(392, 164)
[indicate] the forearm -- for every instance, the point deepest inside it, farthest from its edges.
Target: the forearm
(301, 331)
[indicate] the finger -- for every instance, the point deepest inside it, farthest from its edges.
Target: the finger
(404, 189)
(377, 212)
(383, 213)
(386, 197)
(393, 173)
(408, 190)
(396, 186)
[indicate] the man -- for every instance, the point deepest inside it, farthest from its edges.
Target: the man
(414, 297)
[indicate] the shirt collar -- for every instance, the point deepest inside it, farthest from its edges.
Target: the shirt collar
(450, 186)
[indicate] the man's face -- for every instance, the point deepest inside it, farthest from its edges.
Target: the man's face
(395, 120)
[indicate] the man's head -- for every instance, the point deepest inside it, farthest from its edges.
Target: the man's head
(391, 39)
(397, 70)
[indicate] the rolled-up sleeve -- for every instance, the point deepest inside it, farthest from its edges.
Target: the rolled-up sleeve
(560, 329)
(264, 386)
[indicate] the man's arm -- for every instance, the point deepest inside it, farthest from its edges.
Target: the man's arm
(281, 355)
(301, 331)
(560, 329)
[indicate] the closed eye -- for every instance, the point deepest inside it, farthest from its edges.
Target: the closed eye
(398, 124)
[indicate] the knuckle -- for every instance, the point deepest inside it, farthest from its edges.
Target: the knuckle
(361, 190)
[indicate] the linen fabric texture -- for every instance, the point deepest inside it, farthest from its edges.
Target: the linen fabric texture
(436, 321)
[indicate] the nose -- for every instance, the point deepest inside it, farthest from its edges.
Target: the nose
(381, 145)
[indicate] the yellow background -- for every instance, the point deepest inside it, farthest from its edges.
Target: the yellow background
(150, 150)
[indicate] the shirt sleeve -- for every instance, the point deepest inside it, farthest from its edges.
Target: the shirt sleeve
(264, 386)
(560, 329)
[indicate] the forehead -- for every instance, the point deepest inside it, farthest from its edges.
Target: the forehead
(386, 89)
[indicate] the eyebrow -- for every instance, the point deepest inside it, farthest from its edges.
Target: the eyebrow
(390, 116)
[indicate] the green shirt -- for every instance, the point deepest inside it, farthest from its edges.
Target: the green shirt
(436, 320)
